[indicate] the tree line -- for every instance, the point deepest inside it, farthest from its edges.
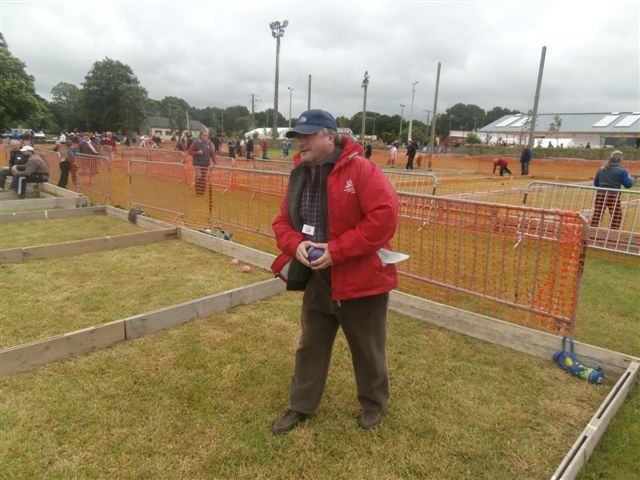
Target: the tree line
(111, 98)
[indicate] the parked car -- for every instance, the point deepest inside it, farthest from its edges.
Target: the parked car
(39, 134)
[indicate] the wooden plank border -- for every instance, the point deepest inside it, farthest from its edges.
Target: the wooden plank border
(29, 355)
(151, 322)
(147, 223)
(43, 203)
(23, 357)
(51, 214)
(585, 444)
(523, 339)
(226, 247)
(59, 191)
(79, 247)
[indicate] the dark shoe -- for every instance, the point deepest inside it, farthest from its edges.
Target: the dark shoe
(369, 419)
(288, 421)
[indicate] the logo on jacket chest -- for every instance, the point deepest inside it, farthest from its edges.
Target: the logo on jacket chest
(349, 188)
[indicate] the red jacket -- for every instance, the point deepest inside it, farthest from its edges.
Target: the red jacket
(362, 217)
(499, 162)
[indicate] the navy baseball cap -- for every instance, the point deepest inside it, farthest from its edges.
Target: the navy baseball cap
(312, 121)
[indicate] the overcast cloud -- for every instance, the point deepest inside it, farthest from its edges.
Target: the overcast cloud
(215, 53)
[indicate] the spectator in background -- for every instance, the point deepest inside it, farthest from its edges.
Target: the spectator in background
(181, 144)
(265, 149)
(393, 154)
(232, 147)
(68, 165)
(412, 148)
(613, 176)
(203, 154)
(285, 149)
(109, 140)
(216, 143)
(503, 164)
(16, 157)
(250, 149)
(368, 151)
(525, 160)
(85, 146)
(34, 170)
(588, 145)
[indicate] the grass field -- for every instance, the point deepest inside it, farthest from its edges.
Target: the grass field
(200, 402)
(197, 401)
(55, 296)
(41, 232)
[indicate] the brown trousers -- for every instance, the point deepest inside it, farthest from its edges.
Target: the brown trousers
(363, 321)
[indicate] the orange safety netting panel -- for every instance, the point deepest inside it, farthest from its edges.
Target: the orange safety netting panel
(516, 263)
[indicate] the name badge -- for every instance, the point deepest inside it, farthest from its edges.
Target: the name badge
(308, 229)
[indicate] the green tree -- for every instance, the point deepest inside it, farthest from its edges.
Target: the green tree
(473, 139)
(18, 100)
(554, 127)
(497, 112)
(466, 117)
(66, 105)
(113, 97)
(175, 109)
(152, 108)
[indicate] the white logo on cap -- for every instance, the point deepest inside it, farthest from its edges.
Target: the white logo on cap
(302, 119)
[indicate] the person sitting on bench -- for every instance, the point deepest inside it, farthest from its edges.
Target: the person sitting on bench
(34, 171)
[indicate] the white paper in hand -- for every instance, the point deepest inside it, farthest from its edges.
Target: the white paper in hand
(388, 257)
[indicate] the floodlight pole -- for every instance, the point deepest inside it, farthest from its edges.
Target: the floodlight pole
(401, 113)
(309, 94)
(290, 92)
(532, 130)
(435, 112)
(277, 32)
(365, 84)
(413, 94)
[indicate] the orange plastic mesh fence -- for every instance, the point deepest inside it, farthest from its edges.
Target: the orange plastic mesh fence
(159, 188)
(91, 175)
(613, 215)
(512, 262)
(52, 159)
(517, 263)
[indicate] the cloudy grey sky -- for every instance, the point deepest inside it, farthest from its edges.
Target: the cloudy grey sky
(214, 53)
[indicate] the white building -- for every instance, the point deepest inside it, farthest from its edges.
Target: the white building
(575, 129)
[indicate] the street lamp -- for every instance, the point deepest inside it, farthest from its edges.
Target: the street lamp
(401, 113)
(290, 92)
(277, 32)
(413, 94)
(428, 120)
(365, 84)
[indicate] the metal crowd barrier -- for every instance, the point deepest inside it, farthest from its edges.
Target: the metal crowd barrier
(613, 215)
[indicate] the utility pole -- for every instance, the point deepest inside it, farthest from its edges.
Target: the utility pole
(277, 32)
(374, 125)
(290, 92)
(401, 113)
(365, 84)
(532, 130)
(309, 94)
(253, 110)
(428, 119)
(435, 113)
(413, 94)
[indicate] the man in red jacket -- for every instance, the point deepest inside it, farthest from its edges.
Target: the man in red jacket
(341, 204)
